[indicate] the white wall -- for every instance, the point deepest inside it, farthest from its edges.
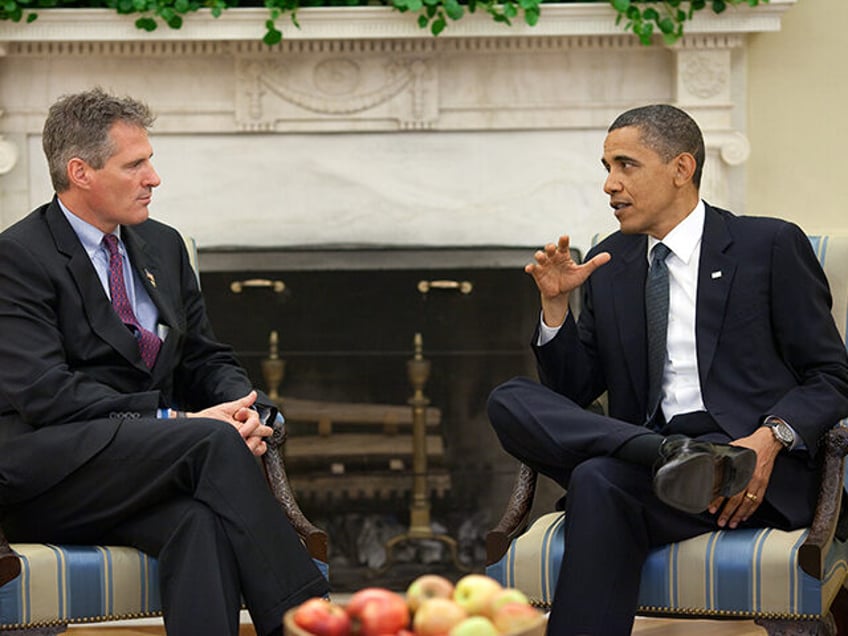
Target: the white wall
(797, 105)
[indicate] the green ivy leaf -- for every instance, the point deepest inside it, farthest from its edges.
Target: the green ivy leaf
(621, 5)
(453, 9)
(438, 25)
(146, 24)
(31, 17)
(273, 35)
(531, 16)
(423, 21)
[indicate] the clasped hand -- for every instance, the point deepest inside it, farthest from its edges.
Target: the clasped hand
(239, 414)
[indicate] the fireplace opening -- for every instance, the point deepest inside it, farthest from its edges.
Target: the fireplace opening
(345, 327)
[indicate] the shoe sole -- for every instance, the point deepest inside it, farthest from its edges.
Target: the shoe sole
(692, 493)
(691, 485)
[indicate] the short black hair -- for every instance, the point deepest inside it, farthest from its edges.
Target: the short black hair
(668, 131)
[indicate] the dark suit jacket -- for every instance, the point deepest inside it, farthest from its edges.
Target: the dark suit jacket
(71, 370)
(766, 341)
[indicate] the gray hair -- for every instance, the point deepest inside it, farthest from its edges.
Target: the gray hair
(668, 131)
(78, 125)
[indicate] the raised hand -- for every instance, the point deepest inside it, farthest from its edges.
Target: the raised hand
(557, 275)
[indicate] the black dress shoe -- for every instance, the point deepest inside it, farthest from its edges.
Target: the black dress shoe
(691, 474)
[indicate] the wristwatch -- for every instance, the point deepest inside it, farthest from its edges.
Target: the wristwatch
(781, 430)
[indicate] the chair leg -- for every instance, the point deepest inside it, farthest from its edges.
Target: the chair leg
(824, 627)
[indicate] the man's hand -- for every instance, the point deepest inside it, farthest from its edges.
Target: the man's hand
(557, 275)
(246, 420)
(742, 505)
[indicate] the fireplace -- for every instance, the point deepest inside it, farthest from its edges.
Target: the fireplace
(345, 323)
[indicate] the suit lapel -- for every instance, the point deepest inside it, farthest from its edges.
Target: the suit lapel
(147, 264)
(101, 316)
(716, 271)
(628, 284)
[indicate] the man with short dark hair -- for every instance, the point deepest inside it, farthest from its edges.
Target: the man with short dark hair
(122, 419)
(711, 335)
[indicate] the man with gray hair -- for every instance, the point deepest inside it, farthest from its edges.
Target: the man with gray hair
(711, 335)
(122, 419)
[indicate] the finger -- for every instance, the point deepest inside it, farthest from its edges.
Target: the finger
(563, 243)
(598, 260)
(244, 402)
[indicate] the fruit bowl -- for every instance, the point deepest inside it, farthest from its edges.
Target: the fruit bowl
(290, 629)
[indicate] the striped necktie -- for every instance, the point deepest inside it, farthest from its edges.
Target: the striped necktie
(656, 315)
(148, 342)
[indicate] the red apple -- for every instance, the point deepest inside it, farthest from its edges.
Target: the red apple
(375, 611)
(474, 593)
(321, 617)
(475, 626)
(436, 617)
(514, 617)
(425, 587)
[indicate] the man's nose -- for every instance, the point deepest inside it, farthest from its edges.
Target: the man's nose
(612, 184)
(152, 178)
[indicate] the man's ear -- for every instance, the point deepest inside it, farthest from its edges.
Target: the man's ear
(684, 168)
(79, 173)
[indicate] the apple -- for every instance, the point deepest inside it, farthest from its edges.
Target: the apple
(514, 617)
(504, 596)
(474, 626)
(321, 617)
(474, 593)
(436, 617)
(376, 611)
(425, 587)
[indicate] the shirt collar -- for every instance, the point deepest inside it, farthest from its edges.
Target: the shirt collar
(90, 237)
(685, 237)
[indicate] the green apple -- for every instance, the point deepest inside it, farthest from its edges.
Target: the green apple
(474, 593)
(474, 626)
(504, 596)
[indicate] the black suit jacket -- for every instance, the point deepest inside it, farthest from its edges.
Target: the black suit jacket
(71, 370)
(766, 341)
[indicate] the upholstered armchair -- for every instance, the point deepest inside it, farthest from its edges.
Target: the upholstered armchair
(44, 587)
(787, 582)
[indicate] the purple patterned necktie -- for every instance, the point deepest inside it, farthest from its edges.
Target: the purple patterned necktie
(148, 342)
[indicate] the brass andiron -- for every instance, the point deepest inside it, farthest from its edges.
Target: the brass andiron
(418, 370)
(273, 368)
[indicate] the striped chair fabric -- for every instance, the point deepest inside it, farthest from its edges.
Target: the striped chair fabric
(737, 573)
(59, 585)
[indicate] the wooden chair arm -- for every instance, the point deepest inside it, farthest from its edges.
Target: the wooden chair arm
(10, 564)
(516, 516)
(275, 472)
(812, 552)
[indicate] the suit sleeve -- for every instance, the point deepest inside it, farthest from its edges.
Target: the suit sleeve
(207, 372)
(807, 339)
(568, 364)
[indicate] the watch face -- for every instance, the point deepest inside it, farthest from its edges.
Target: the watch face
(783, 433)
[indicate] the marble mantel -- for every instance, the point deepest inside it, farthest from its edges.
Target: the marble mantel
(361, 129)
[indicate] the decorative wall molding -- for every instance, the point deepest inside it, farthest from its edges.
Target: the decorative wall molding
(360, 128)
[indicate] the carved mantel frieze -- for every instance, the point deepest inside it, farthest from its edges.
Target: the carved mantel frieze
(366, 87)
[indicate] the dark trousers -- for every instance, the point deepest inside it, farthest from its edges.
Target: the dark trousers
(612, 517)
(190, 493)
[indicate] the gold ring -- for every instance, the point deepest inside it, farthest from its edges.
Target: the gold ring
(751, 496)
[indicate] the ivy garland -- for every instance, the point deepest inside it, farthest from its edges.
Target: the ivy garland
(642, 17)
